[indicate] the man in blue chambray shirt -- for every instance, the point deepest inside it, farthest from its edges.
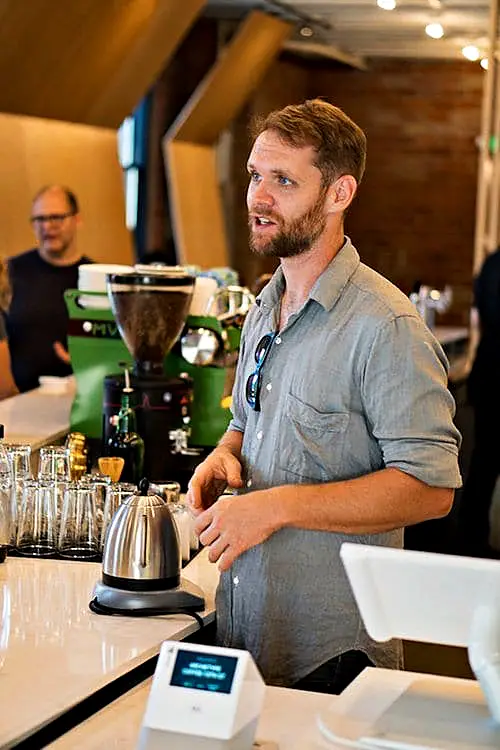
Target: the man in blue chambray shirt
(342, 423)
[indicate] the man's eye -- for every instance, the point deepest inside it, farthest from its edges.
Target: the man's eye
(254, 176)
(284, 180)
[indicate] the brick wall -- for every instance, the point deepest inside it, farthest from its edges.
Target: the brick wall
(415, 213)
(414, 216)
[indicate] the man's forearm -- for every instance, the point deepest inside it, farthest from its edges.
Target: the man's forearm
(377, 502)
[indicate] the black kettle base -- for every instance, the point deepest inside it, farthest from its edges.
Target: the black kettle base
(113, 601)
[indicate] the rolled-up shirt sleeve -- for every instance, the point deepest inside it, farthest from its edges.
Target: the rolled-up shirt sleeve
(408, 405)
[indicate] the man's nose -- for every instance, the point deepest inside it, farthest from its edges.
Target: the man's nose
(260, 194)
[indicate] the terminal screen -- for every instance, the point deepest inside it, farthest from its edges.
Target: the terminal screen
(202, 671)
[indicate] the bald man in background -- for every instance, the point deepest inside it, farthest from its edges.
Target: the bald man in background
(37, 320)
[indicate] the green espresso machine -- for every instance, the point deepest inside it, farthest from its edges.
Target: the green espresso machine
(199, 368)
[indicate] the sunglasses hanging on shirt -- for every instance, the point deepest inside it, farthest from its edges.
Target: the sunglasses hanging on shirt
(254, 381)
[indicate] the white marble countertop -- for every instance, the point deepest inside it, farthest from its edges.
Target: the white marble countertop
(54, 652)
(288, 719)
(441, 706)
(36, 417)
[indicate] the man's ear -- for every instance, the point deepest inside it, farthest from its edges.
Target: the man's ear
(341, 194)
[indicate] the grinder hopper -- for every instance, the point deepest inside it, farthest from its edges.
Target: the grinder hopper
(150, 309)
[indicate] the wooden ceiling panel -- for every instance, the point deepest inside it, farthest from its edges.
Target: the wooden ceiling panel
(189, 147)
(199, 223)
(44, 151)
(229, 84)
(86, 61)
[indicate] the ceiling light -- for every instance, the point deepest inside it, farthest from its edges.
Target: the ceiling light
(471, 52)
(386, 4)
(435, 30)
(484, 63)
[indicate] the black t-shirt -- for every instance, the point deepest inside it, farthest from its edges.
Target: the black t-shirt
(487, 295)
(482, 385)
(38, 316)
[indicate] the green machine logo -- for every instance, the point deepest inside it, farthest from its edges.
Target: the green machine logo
(96, 329)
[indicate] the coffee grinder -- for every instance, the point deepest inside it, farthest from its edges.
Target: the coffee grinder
(150, 308)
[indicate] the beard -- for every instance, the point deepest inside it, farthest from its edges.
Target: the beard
(293, 238)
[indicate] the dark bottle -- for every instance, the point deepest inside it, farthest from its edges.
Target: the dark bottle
(126, 443)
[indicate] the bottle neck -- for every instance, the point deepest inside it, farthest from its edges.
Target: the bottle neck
(126, 416)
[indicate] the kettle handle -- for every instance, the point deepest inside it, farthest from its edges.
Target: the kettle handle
(144, 536)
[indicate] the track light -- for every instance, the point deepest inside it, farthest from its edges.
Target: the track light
(434, 30)
(386, 4)
(471, 52)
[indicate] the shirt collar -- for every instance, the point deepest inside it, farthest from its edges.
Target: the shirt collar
(327, 287)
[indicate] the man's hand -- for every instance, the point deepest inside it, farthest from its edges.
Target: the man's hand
(236, 523)
(62, 353)
(211, 478)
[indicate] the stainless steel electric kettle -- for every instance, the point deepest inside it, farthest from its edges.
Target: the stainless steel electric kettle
(141, 561)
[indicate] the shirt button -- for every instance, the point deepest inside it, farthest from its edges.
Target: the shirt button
(249, 483)
(236, 580)
(278, 340)
(269, 387)
(260, 435)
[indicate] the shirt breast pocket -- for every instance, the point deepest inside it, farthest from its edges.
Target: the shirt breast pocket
(311, 442)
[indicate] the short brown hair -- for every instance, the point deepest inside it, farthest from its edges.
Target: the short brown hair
(340, 144)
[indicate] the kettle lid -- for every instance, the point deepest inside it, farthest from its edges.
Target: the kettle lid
(143, 486)
(142, 496)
